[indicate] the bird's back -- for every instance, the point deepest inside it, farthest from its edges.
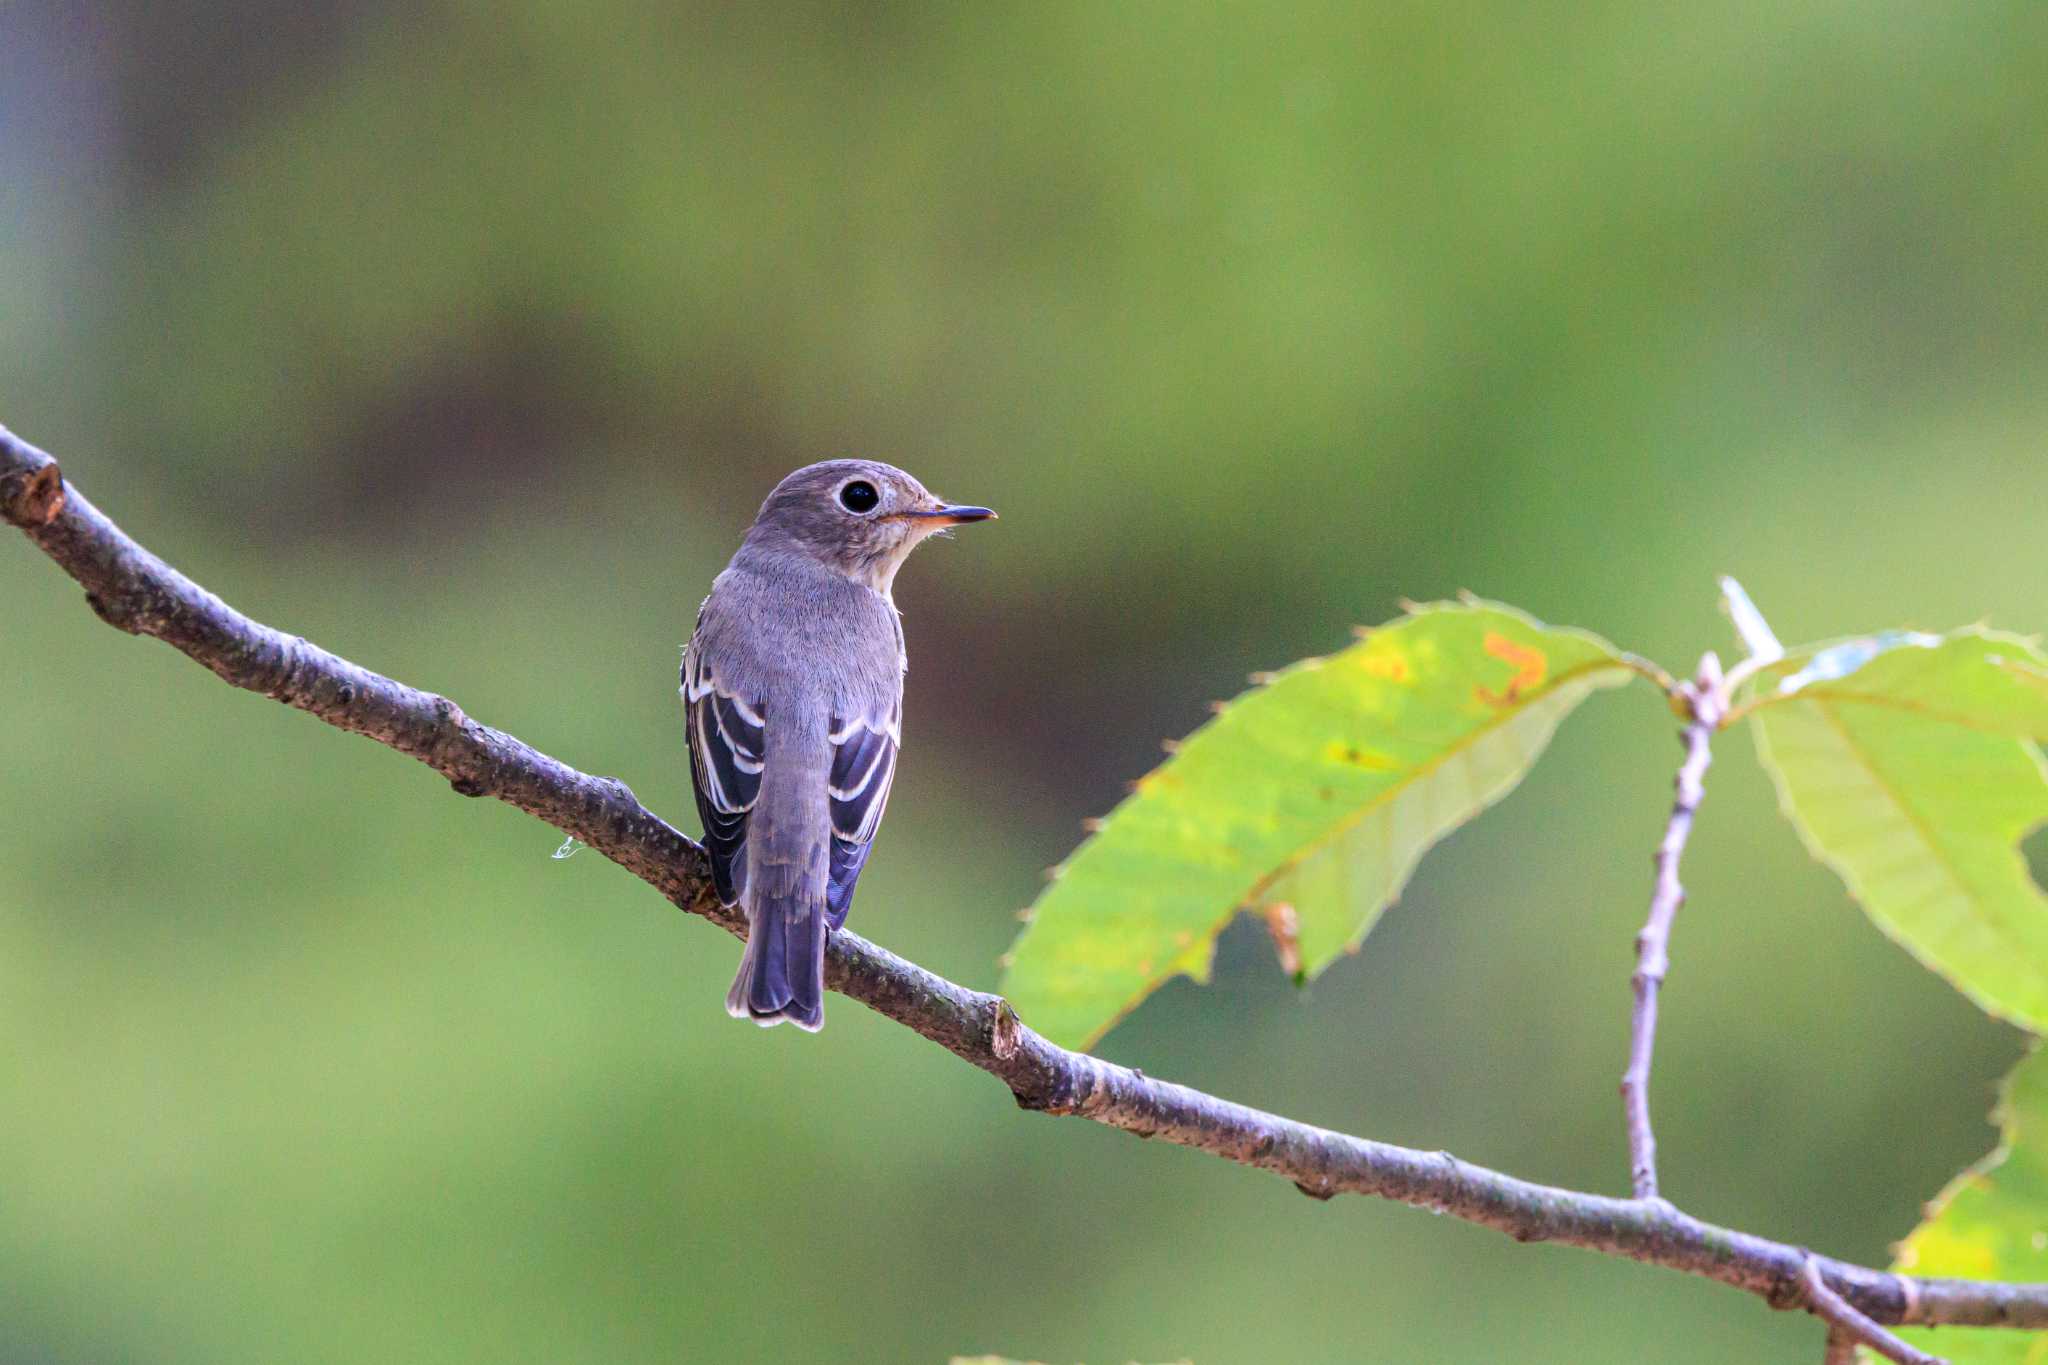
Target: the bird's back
(785, 627)
(791, 672)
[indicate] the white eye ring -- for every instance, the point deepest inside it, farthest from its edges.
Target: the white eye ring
(858, 496)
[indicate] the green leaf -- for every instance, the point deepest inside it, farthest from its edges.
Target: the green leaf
(1908, 764)
(1991, 1223)
(1312, 796)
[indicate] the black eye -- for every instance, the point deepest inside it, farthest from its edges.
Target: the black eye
(859, 496)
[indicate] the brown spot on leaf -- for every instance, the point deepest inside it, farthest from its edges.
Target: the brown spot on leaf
(1285, 928)
(1530, 665)
(1353, 756)
(1386, 663)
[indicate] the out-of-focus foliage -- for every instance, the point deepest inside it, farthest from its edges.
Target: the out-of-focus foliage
(464, 339)
(1910, 766)
(1310, 799)
(1991, 1223)
(1003, 1360)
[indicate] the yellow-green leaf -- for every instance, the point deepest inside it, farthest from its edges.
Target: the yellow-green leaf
(1909, 765)
(1318, 791)
(1991, 1223)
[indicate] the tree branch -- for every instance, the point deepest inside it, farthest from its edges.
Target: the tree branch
(1707, 702)
(133, 590)
(1846, 1325)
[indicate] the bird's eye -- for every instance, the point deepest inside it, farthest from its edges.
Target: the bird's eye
(859, 496)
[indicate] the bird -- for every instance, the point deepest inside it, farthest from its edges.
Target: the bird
(792, 687)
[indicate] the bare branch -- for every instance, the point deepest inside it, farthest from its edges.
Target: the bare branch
(1841, 1348)
(1846, 1324)
(132, 589)
(1705, 698)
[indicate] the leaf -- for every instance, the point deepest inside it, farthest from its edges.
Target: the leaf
(1908, 765)
(1318, 791)
(1991, 1223)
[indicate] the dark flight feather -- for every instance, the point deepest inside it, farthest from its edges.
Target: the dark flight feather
(727, 738)
(863, 767)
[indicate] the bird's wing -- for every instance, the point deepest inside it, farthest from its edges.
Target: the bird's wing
(728, 735)
(863, 766)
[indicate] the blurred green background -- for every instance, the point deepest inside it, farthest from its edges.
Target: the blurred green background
(464, 339)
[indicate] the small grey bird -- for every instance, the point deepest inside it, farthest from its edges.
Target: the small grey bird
(793, 688)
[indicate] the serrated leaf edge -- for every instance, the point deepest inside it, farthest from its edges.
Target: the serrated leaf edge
(1206, 940)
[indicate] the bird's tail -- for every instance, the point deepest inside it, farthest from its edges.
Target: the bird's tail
(782, 972)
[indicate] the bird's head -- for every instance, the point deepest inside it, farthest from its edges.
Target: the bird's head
(859, 518)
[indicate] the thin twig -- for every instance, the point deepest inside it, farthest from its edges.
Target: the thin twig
(1705, 700)
(1841, 1348)
(1844, 1321)
(132, 589)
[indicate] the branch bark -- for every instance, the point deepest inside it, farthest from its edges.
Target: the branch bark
(1846, 1326)
(132, 590)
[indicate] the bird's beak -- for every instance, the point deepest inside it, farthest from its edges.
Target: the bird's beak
(953, 514)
